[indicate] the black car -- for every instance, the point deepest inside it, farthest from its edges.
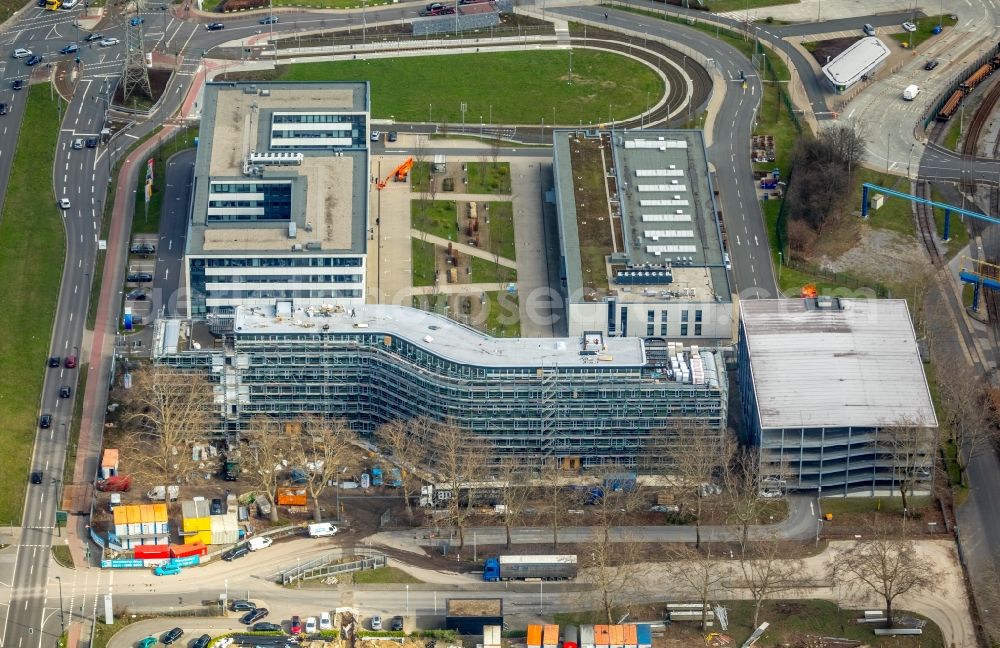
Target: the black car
(36, 477)
(139, 277)
(396, 623)
(35, 59)
(45, 421)
(65, 391)
(3, 109)
(236, 552)
(136, 295)
(72, 48)
(264, 626)
(17, 84)
(242, 605)
(142, 248)
(91, 142)
(40, 3)
(214, 26)
(54, 361)
(268, 20)
(202, 641)
(393, 136)
(253, 616)
(930, 65)
(93, 37)
(171, 636)
(216, 507)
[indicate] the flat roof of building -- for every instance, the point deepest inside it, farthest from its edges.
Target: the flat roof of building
(657, 212)
(329, 188)
(441, 336)
(854, 363)
(854, 62)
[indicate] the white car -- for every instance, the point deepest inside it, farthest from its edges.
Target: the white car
(910, 27)
(77, 144)
(310, 625)
(108, 42)
(325, 623)
(20, 52)
(64, 203)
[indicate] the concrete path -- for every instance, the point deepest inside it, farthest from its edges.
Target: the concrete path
(469, 250)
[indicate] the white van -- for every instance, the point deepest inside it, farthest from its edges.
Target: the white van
(254, 544)
(910, 92)
(322, 530)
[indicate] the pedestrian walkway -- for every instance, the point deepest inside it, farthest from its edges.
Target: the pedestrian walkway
(457, 289)
(463, 248)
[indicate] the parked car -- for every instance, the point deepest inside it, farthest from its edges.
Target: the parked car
(136, 294)
(93, 37)
(65, 391)
(72, 48)
(264, 626)
(148, 642)
(216, 507)
(64, 203)
(202, 641)
(36, 477)
(142, 248)
(311, 625)
(108, 42)
(376, 622)
(20, 52)
(214, 26)
(376, 135)
(393, 136)
(396, 623)
(238, 551)
(258, 543)
(910, 27)
(45, 421)
(242, 605)
(17, 84)
(135, 21)
(172, 635)
(253, 616)
(167, 569)
(139, 277)
(325, 623)
(295, 627)
(34, 60)
(930, 65)
(268, 20)
(70, 361)
(868, 29)
(91, 142)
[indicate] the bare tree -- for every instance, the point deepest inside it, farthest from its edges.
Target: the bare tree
(320, 446)
(700, 454)
(268, 447)
(515, 487)
(766, 572)
(556, 497)
(406, 449)
(885, 564)
(741, 479)
(459, 459)
(910, 445)
(700, 571)
(846, 145)
(965, 412)
(610, 572)
(164, 413)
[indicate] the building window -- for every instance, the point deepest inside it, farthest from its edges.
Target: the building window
(663, 322)
(684, 329)
(624, 312)
(697, 329)
(684, 315)
(650, 316)
(650, 330)
(697, 315)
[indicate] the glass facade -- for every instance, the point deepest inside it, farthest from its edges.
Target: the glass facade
(249, 201)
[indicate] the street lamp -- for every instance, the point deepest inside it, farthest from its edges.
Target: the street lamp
(62, 616)
(407, 600)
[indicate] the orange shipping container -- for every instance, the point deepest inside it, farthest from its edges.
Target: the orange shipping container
(534, 635)
(601, 635)
(617, 636)
(550, 636)
(291, 497)
(631, 636)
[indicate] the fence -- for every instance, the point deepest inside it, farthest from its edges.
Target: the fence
(326, 565)
(785, 98)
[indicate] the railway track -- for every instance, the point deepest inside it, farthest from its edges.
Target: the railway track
(979, 121)
(926, 227)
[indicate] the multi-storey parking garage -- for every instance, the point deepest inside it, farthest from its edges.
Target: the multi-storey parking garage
(586, 400)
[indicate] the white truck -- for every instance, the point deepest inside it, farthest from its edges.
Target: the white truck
(322, 530)
(161, 493)
(910, 92)
(258, 543)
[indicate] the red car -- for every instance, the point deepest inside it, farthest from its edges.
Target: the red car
(296, 626)
(70, 362)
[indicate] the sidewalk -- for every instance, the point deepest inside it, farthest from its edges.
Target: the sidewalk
(463, 248)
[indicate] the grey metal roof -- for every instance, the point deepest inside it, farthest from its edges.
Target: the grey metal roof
(856, 365)
(848, 66)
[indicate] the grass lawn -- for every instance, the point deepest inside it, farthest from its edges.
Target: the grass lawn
(488, 178)
(32, 248)
(845, 505)
(61, 554)
(150, 222)
(517, 87)
(384, 575)
(502, 229)
(503, 318)
(423, 262)
(328, 4)
(437, 217)
(104, 632)
(420, 176)
(773, 119)
(896, 214)
(953, 134)
(956, 230)
(924, 30)
(74, 426)
(484, 271)
(735, 5)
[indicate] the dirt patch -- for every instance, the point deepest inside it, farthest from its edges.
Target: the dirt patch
(826, 51)
(882, 255)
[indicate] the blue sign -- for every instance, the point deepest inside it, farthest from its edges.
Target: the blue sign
(128, 320)
(122, 563)
(98, 540)
(186, 561)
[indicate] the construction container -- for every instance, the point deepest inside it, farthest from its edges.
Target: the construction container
(492, 636)
(148, 524)
(645, 635)
(617, 636)
(534, 635)
(185, 550)
(602, 637)
(196, 524)
(586, 636)
(292, 497)
(631, 637)
(550, 636)
(225, 529)
(161, 518)
(109, 463)
(151, 551)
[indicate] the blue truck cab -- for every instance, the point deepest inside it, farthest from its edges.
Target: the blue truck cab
(491, 570)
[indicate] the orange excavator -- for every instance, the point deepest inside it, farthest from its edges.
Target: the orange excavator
(399, 172)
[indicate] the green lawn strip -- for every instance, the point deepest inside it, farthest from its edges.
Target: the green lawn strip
(32, 250)
(953, 134)
(896, 214)
(144, 221)
(437, 217)
(488, 178)
(718, 6)
(968, 292)
(328, 4)
(423, 262)
(957, 231)
(503, 317)
(925, 27)
(485, 271)
(502, 229)
(773, 120)
(517, 87)
(854, 505)
(104, 632)
(61, 554)
(74, 426)
(384, 575)
(420, 176)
